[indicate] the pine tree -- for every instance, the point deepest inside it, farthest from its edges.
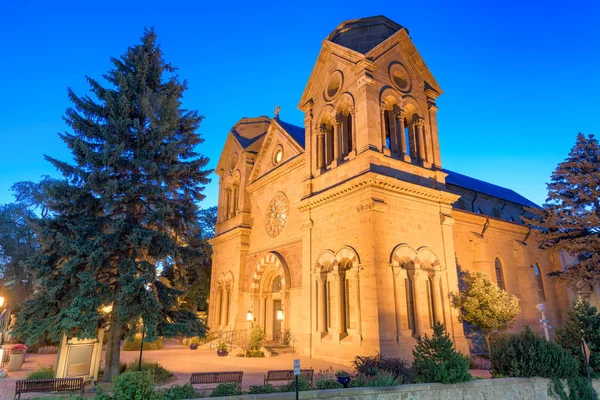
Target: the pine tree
(483, 304)
(569, 221)
(122, 211)
(436, 360)
(583, 320)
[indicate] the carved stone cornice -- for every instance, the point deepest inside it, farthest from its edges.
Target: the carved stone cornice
(479, 219)
(231, 234)
(372, 205)
(372, 179)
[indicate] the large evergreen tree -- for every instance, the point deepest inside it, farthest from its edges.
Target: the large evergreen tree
(570, 219)
(123, 210)
(583, 320)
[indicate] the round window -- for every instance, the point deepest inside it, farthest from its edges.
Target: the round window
(399, 77)
(334, 85)
(278, 155)
(233, 161)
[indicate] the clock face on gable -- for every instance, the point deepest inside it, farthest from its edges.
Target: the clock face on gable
(277, 215)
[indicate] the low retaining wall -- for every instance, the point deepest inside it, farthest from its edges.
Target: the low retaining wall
(509, 388)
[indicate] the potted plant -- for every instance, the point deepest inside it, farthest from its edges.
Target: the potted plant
(222, 349)
(343, 377)
(194, 342)
(17, 356)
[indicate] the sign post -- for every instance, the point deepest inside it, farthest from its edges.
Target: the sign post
(296, 374)
(586, 355)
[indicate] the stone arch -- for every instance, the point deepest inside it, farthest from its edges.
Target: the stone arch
(325, 115)
(271, 259)
(390, 97)
(344, 103)
(347, 253)
(402, 254)
(411, 105)
(427, 259)
(325, 260)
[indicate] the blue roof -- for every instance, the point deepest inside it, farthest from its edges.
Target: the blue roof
(489, 189)
(244, 141)
(296, 132)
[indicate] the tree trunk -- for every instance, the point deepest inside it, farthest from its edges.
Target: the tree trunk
(112, 360)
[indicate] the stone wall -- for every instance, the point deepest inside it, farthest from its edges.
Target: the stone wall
(497, 389)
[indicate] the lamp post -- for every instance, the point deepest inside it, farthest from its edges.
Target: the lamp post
(542, 309)
(250, 317)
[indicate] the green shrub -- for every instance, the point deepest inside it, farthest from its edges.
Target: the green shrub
(177, 392)
(526, 355)
(373, 365)
(134, 344)
(226, 389)
(382, 378)
(133, 386)
(303, 385)
(159, 373)
(436, 360)
(262, 389)
(43, 372)
(325, 383)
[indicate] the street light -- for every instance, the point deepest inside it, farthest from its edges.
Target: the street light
(1, 301)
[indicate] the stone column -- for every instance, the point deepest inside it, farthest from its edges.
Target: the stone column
(320, 149)
(353, 131)
(336, 140)
(321, 303)
(311, 142)
(382, 108)
(356, 272)
(416, 280)
(396, 306)
(437, 298)
(235, 200)
(419, 122)
(400, 115)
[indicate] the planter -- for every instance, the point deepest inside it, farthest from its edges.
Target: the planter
(193, 346)
(222, 353)
(344, 380)
(16, 361)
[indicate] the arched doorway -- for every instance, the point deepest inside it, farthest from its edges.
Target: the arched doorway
(271, 281)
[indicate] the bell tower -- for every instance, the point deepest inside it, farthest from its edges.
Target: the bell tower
(371, 92)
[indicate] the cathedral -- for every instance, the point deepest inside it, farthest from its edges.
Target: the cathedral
(346, 235)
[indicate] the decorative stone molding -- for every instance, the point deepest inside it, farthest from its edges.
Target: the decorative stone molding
(419, 121)
(400, 115)
(372, 205)
(446, 219)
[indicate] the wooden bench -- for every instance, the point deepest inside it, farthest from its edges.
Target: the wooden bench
(285, 376)
(206, 378)
(49, 386)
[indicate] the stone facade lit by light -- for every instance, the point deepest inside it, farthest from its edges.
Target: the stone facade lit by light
(349, 225)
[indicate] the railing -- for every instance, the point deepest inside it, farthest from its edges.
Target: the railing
(227, 337)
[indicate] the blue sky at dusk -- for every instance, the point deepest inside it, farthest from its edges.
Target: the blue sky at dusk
(520, 79)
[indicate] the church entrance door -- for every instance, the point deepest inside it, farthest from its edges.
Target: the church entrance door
(276, 321)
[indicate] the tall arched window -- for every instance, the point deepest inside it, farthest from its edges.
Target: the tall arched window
(410, 305)
(539, 282)
(347, 144)
(328, 144)
(407, 138)
(388, 137)
(499, 274)
(429, 290)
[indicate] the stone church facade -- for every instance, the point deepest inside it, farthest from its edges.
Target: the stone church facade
(347, 235)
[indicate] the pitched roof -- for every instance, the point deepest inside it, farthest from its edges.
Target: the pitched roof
(244, 141)
(476, 185)
(295, 132)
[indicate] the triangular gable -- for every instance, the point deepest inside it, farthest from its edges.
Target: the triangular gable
(408, 52)
(232, 145)
(280, 134)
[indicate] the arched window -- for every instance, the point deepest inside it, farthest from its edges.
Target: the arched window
(407, 138)
(328, 144)
(499, 274)
(410, 305)
(429, 290)
(388, 129)
(347, 144)
(539, 282)
(276, 287)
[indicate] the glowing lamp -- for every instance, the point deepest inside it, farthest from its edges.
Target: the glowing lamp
(280, 315)
(1, 301)
(249, 316)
